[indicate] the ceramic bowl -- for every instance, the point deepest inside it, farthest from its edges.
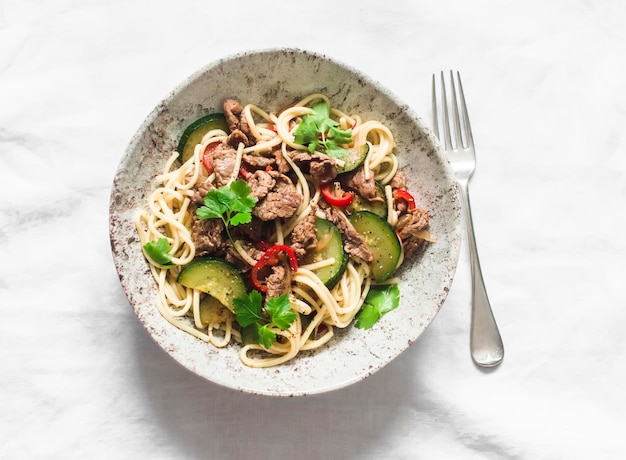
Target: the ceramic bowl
(272, 79)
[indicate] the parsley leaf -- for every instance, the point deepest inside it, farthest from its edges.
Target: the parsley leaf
(249, 314)
(231, 203)
(265, 336)
(379, 301)
(279, 309)
(158, 251)
(248, 308)
(318, 129)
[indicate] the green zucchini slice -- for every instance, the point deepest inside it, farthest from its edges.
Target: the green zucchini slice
(356, 157)
(194, 132)
(382, 241)
(214, 276)
(330, 245)
(377, 207)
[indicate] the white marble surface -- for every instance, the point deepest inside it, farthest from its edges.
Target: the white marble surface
(80, 378)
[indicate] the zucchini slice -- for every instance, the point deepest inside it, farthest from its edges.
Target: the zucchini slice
(330, 245)
(377, 207)
(356, 157)
(216, 277)
(194, 132)
(212, 311)
(381, 239)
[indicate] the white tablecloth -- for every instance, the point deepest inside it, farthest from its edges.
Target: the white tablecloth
(79, 376)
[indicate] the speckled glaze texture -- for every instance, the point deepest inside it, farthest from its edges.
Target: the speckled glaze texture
(272, 79)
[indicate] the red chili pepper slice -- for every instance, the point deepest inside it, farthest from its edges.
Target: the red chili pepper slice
(270, 258)
(328, 190)
(243, 172)
(207, 156)
(400, 194)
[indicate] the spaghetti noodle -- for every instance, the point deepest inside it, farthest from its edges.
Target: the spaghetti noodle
(320, 306)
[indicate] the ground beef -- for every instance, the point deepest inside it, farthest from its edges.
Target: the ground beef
(353, 243)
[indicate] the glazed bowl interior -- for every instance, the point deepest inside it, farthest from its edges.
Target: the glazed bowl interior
(273, 79)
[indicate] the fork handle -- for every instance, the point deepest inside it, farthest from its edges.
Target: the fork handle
(485, 341)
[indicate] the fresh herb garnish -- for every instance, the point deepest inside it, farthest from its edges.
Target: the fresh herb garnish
(379, 301)
(231, 203)
(249, 313)
(158, 251)
(319, 129)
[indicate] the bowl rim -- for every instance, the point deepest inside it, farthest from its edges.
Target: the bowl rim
(198, 74)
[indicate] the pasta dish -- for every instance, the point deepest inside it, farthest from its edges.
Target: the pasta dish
(272, 229)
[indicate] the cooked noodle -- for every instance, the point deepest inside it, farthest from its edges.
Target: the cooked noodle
(168, 216)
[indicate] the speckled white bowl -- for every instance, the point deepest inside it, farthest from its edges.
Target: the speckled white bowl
(272, 79)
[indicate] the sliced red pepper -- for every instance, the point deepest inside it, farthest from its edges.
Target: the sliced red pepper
(329, 190)
(401, 194)
(270, 258)
(243, 172)
(207, 156)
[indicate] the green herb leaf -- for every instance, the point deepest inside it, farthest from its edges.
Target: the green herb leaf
(248, 308)
(249, 314)
(279, 309)
(379, 301)
(233, 204)
(158, 251)
(319, 129)
(266, 336)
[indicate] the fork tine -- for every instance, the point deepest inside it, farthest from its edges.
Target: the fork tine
(466, 123)
(455, 114)
(446, 118)
(434, 102)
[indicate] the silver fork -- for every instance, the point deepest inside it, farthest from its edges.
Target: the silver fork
(485, 340)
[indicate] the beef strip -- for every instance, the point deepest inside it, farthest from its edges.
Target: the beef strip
(199, 192)
(208, 236)
(364, 187)
(258, 161)
(408, 226)
(303, 237)
(255, 230)
(322, 168)
(232, 255)
(353, 243)
(236, 120)
(236, 137)
(260, 183)
(223, 161)
(281, 164)
(398, 180)
(279, 200)
(278, 282)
